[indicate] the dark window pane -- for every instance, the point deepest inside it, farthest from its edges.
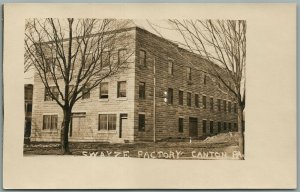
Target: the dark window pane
(196, 100)
(189, 102)
(170, 95)
(211, 126)
(211, 102)
(142, 90)
(141, 122)
(122, 89)
(204, 126)
(180, 125)
(204, 102)
(104, 90)
(180, 96)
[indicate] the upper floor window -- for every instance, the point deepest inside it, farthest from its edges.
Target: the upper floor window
(170, 67)
(224, 105)
(196, 100)
(189, 73)
(180, 97)
(86, 92)
(105, 58)
(189, 99)
(50, 122)
(229, 106)
(142, 90)
(211, 102)
(53, 90)
(170, 95)
(235, 108)
(104, 90)
(204, 101)
(121, 89)
(219, 104)
(122, 56)
(205, 79)
(143, 58)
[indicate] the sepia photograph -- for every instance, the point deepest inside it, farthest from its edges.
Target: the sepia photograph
(149, 96)
(167, 89)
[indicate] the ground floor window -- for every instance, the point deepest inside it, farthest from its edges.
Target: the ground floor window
(204, 126)
(219, 127)
(50, 122)
(180, 125)
(211, 127)
(141, 122)
(107, 122)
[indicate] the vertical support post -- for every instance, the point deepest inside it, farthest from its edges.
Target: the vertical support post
(154, 105)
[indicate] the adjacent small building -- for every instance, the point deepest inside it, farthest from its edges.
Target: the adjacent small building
(166, 93)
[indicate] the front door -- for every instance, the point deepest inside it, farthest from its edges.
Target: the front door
(193, 127)
(123, 124)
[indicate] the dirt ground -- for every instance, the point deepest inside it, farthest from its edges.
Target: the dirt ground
(222, 146)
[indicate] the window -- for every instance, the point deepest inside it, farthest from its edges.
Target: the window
(28, 107)
(235, 127)
(219, 127)
(225, 126)
(196, 100)
(141, 122)
(189, 99)
(229, 107)
(189, 73)
(107, 122)
(229, 126)
(50, 122)
(85, 92)
(170, 67)
(204, 126)
(170, 95)
(205, 80)
(224, 105)
(142, 90)
(105, 58)
(122, 56)
(211, 127)
(219, 104)
(180, 97)
(211, 103)
(104, 90)
(121, 89)
(204, 101)
(51, 65)
(143, 58)
(235, 108)
(180, 125)
(53, 90)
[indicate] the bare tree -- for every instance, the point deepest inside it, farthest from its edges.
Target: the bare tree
(223, 44)
(76, 56)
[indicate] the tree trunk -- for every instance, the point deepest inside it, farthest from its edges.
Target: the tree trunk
(241, 132)
(64, 139)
